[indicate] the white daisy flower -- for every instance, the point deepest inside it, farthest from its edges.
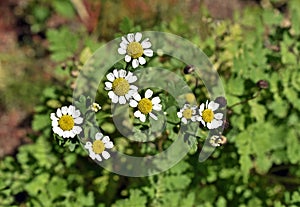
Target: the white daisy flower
(134, 50)
(97, 147)
(215, 141)
(65, 121)
(208, 116)
(95, 107)
(120, 88)
(145, 105)
(187, 113)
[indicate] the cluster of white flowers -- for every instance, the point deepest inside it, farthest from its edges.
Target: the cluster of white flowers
(66, 122)
(206, 114)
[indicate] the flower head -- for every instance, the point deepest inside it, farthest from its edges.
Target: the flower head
(97, 147)
(134, 50)
(145, 105)
(215, 141)
(187, 113)
(208, 116)
(120, 88)
(65, 121)
(95, 107)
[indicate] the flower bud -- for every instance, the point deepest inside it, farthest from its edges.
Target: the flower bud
(263, 84)
(222, 101)
(188, 69)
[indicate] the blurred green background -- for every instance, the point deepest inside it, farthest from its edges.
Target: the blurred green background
(246, 40)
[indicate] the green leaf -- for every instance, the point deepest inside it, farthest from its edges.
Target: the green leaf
(136, 199)
(41, 121)
(64, 8)
(56, 187)
(257, 111)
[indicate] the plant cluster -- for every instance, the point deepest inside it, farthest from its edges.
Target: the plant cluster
(257, 57)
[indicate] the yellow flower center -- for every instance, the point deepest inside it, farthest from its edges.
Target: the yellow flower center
(187, 113)
(208, 115)
(98, 146)
(66, 122)
(120, 86)
(135, 50)
(145, 106)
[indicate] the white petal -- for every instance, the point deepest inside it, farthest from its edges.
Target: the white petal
(88, 145)
(135, 63)
(202, 121)
(219, 116)
(124, 40)
(115, 72)
(58, 113)
(133, 103)
(153, 116)
(108, 85)
(184, 120)
(155, 100)
(78, 120)
(137, 96)
(201, 109)
(142, 118)
(127, 58)
(111, 94)
(157, 107)
(138, 36)
(98, 157)
(123, 46)
(137, 114)
(71, 110)
(114, 98)
(92, 155)
(130, 37)
(148, 52)
(110, 77)
(213, 105)
(133, 88)
(131, 79)
(215, 124)
(146, 44)
(179, 114)
(109, 145)
(98, 136)
(105, 139)
(122, 73)
(121, 51)
(148, 93)
(209, 126)
(77, 129)
(194, 118)
(54, 123)
(64, 110)
(142, 60)
(105, 155)
(76, 114)
(53, 117)
(122, 100)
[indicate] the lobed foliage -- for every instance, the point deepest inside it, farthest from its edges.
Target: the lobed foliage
(259, 164)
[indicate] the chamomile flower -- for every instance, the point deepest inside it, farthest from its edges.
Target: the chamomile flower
(65, 121)
(97, 147)
(208, 117)
(215, 141)
(134, 50)
(187, 113)
(145, 105)
(119, 86)
(95, 107)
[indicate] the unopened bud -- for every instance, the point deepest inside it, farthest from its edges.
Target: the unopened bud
(221, 101)
(188, 69)
(262, 84)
